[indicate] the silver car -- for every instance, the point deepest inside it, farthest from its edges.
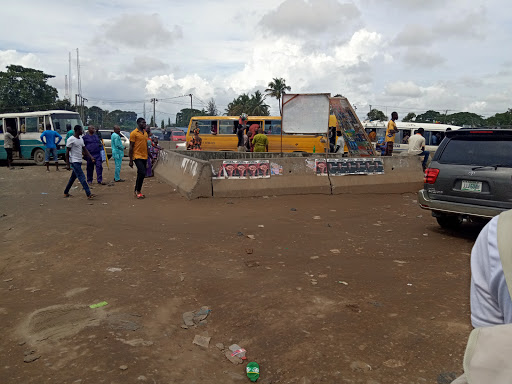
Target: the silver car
(106, 136)
(469, 177)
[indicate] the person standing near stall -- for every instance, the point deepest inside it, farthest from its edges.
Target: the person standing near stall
(117, 153)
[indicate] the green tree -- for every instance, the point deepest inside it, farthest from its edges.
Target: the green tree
(253, 105)
(183, 117)
(162, 124)
(464, 118)
(25, 89)
(152, 123)
(409, 117)
(169, 122)
(500, 119)
(375, 114)
(276, 88)
(429, 117)
(211, 108)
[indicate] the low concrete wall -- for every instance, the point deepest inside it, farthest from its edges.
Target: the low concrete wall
(191, 177)
(191, 174)
(401, 174)
(297, 179)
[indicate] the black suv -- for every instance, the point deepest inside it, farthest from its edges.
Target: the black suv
(470, 176)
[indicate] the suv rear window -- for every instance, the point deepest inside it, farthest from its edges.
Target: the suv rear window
(485, 151)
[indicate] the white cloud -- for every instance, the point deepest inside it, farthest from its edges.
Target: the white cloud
(403, 89)
(143, 64)
(310, 17)
(423, 58)
(139, 31)
(11, 56)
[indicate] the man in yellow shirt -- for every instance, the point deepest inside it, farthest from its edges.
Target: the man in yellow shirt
(390, 134)
(139, 154)
(260, 141)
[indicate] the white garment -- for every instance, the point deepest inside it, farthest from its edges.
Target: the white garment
(75, 149)
(340, 144)
(490, 298)
(416, 144)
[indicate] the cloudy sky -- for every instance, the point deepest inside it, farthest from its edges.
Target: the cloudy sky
(404, 55)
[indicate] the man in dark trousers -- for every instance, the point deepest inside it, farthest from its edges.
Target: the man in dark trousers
(139, 154)
(93, 144)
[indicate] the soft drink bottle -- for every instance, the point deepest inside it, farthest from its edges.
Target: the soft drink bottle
(253, 371)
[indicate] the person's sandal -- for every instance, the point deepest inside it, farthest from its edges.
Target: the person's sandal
(91, 196)
(140, 196)
(66, 195)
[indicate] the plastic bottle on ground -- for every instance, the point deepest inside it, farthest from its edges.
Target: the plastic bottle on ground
(237, 350)
(253, 371)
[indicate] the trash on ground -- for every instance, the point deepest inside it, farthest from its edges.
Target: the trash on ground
(409, 284)
(237, 351)
(123, 367)
(240, 234)
(425, 234)
(114, 269)
(314, 257)
(98, 305)
(249, 251)
(392, 363)
(343, 282)
(316, 217)
(234, 359)
(7, 280)
(261, 226)
(182, 276)
(252, 237)
(353, 308)
(293, 209)
(335, 251)
(202, 341)
(191, 319)
(110, 244)
(253, 371)
(44, 193)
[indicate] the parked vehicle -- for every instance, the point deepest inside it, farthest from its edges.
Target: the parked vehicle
(157, 133)
(30, 125)
(178, 135)
(469, 177)
(106, 137)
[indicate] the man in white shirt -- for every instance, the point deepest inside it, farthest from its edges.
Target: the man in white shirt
(490, 297)
(417, 146)
(340, 143)
(75, 148)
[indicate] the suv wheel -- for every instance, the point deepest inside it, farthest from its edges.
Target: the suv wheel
(449, 222)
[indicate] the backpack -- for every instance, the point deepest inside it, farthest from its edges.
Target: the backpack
(488, 352)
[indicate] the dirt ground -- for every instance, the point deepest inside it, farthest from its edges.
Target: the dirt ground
(332, 289)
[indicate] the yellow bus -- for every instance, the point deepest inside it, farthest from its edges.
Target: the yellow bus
(219, 134)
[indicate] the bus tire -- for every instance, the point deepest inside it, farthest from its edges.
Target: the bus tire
(39, 156)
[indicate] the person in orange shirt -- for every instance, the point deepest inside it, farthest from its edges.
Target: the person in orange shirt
(390, 134)
(373, 135)
(139, 154)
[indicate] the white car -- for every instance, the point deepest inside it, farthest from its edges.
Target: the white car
(106, 134)
(181, 145)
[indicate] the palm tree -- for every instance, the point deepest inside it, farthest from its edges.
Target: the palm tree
(258, 106)
(276, 88)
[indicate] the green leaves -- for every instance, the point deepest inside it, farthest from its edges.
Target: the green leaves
(253, 105)
(276, 88)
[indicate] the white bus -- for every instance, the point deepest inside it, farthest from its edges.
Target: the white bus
(434, 133)
(30, 125)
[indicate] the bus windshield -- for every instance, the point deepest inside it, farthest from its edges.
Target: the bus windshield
(64, 122)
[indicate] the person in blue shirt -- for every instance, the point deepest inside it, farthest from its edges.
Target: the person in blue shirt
(93, 144)
(117, 152)
(48, 138)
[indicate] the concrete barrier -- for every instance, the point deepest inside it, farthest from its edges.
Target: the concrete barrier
(191, 174)
(191, 177)
(401, 174)
(298, 178)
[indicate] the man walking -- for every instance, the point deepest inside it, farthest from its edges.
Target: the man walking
(117, 152)
(390, 134)
(260, 141)
(93, 145)
(51, 146)
(417, 147)
(139, 154)
(240, 133)
(9, 145)
(75, 147)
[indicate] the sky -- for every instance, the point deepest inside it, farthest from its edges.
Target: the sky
(393, 55)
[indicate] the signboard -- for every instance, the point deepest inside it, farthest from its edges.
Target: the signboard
(306, 113)
(357, 140)
(349, 166)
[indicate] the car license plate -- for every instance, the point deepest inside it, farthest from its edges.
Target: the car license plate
(471, 186)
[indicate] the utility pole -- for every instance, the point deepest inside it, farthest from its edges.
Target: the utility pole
(144, 111)
(191, 101)
(445, 113)
(70, 80)
(66, 96)
(153, 100)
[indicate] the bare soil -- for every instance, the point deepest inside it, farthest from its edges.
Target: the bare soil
(333, 289)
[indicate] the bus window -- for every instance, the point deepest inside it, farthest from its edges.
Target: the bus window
(205, 126)
(272, 127)
(227, 127)
(213, 128)
(426, 135)
(31, 124)
(404, 136)
(12, 123)
(62, 121)
(41, 124)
